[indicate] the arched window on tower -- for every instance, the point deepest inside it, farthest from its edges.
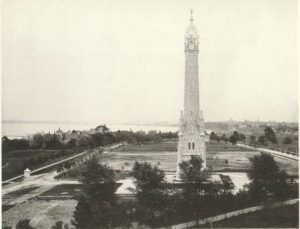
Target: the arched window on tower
(193, 145)
(189, 145)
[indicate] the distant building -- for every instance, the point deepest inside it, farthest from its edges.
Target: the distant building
(243, 125)
(60, 134)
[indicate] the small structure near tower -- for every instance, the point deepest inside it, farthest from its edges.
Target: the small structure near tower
(191, 137)
(27, 173)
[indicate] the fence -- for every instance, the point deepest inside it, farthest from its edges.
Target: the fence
(227, 215)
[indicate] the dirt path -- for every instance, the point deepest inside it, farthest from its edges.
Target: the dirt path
(42, 183)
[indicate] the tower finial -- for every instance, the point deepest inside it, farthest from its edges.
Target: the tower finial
(191, 10)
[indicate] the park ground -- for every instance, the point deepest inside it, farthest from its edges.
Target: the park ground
(55, 202)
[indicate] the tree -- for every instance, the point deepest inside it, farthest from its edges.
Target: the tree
(227, 185)
(67, 165)
(71, 143)
(241, 137)
(14, 144)
(234, 138)
(267, 181)
(193, 176)
(52, 142)
(262, 140)
(287, 140)
(253, 140)
(97, 206)
(102, 128)
(149, 180)
(191, 171)
(24, 224)
(151, 193)
(195, 186)
(212, 136)
(84, 142)
(224, 138)
(270, 135)
(37, 141)
(59, 168)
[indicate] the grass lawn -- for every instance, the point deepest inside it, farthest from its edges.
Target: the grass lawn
(44, 214)
(221, 156)
(222, 146)
(159, 146)
(6, 207)
(22, 191)
(63, 190)
(280, 217)
(172, 146)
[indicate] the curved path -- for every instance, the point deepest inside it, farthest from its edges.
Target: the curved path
(48, 166)
(273, 152)
(43, 181)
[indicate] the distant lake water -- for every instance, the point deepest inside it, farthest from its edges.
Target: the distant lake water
(18, 130)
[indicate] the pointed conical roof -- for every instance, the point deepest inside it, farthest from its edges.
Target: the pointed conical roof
(191, 29)
(191, 36)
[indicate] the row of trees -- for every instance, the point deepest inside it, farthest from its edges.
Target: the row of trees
(9, 145)
(82, 140)
(37, 160)
(233, 139)
(107, 138)
(269, 136)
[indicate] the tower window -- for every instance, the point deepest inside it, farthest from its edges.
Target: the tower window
(193, 145)
(189, 145)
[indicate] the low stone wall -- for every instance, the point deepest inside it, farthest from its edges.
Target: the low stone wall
(227, 215)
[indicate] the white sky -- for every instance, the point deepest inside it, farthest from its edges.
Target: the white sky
(123, 60)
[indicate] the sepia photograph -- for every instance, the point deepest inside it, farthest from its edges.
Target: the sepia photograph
(135, 114)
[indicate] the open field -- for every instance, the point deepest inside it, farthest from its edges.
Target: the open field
(43, 214)
(62, 190)
(219, 161)
(159, 146)
(172, 146)
(23, 191)
(222, 146)
(280, 217)
(220, 156)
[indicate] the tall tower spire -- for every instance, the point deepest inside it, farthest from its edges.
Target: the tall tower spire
(191, 138)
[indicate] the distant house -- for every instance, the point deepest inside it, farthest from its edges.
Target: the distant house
(60, 134)
(102, 129)
(242, 125)
(92, 131)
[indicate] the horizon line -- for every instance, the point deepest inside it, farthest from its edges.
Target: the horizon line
(134, 123)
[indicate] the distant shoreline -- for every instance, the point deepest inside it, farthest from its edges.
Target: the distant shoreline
(88, 123)
(23, 129)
